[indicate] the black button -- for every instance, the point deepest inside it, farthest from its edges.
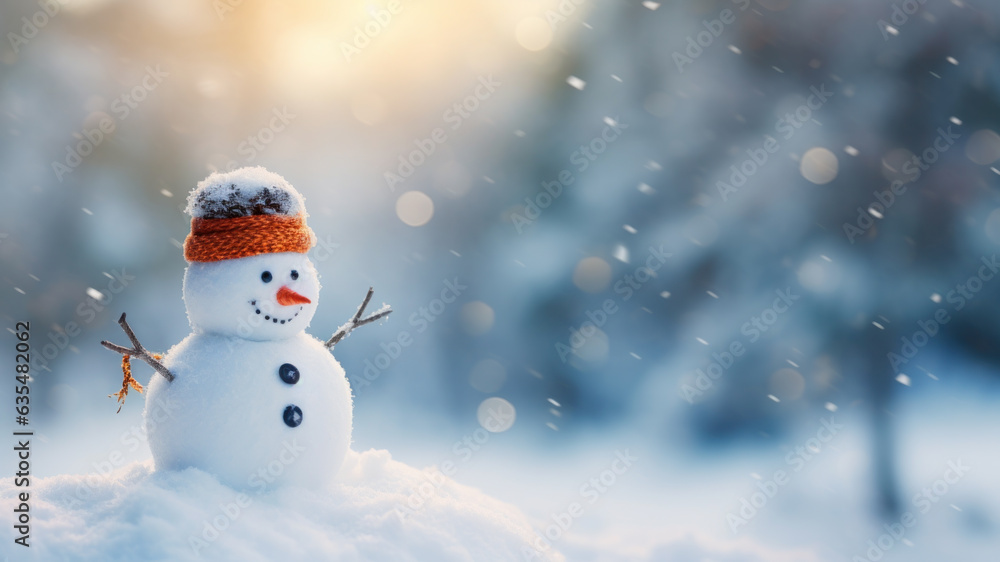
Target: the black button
(288, 373)
(292, 415)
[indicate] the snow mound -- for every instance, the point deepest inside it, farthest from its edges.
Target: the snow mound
(379, 509)
(243, 192)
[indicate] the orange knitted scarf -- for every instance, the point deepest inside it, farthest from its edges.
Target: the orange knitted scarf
(240, 237)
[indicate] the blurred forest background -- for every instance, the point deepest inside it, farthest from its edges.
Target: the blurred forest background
(647, 116)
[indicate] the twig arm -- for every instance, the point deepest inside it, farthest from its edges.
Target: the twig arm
(138, 351)
(118, 348)
(356, 320)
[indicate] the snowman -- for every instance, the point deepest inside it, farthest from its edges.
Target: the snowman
(248, 396)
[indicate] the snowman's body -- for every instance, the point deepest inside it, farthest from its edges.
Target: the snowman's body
(225, 410)
(254, 400)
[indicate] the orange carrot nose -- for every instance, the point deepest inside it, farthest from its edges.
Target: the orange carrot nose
(288, 297)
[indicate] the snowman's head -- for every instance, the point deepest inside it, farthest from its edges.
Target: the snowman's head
(249, 274)
(263, 297)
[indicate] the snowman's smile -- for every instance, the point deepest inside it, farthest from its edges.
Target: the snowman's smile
(273, 318)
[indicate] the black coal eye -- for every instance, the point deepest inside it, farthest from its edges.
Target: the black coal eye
(295, 275)
(266, 277)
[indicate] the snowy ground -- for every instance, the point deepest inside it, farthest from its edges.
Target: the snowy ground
(664, 506)
(657, 509)
(674, 506)
(379, 510)
(823, 512)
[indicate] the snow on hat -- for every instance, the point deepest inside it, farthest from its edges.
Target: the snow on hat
(245, 212)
